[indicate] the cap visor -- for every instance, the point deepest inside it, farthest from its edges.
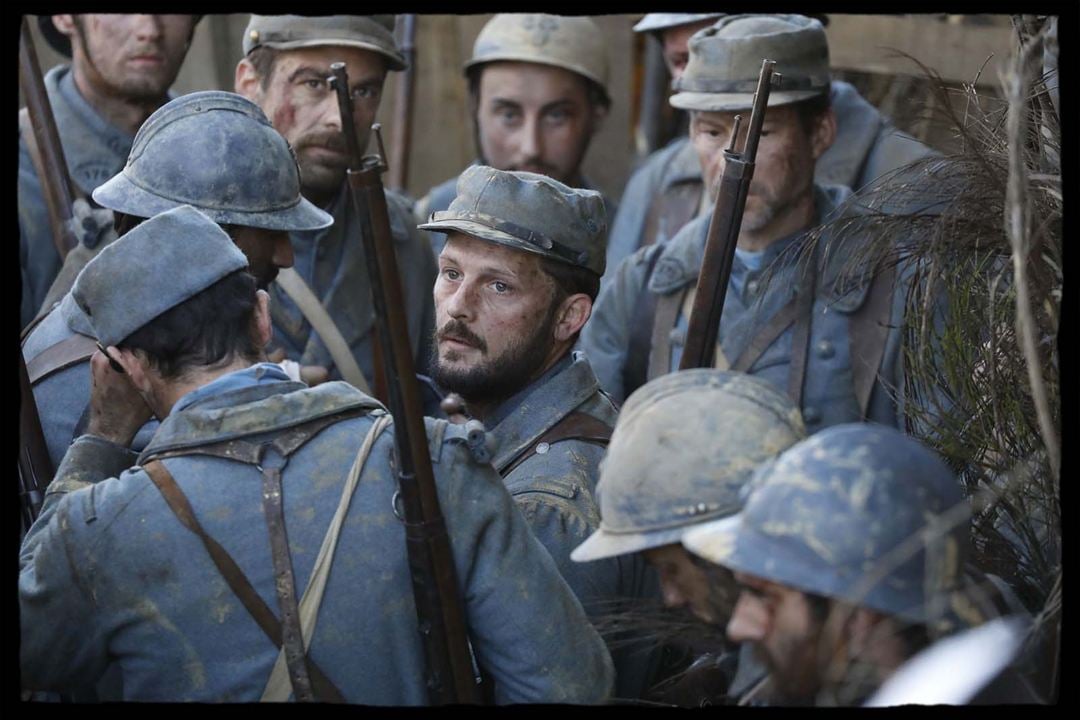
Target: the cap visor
(728, 102)
(393, 62)
(714, 541)
(120, 194)
(483, 232)
(603, 544)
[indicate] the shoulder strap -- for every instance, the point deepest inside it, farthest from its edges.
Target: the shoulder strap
(232, 573)
(635, 369)
(666, 312)
(59, 356)
(574, 426)
(800, 337)
(868, 329)
(321, 322)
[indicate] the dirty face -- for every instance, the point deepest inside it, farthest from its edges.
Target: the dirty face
(128, 56)
(304, 109)
(267, 251)
(687, 582)
(494, 319)
(676, 44)
(784, 171)
(787, 636)
(536, 118)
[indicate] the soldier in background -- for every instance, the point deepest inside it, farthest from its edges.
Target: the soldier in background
(538, 94)
(120, 72)
(517, 278)
(661, 478)
(850, 552)
(125, 570)
(667, 191)
(215, 151)
(285, 70)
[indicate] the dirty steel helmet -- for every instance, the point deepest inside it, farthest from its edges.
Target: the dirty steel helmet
(663, 475)
(216, 151)
(572, 43)
(655, 22)
(290, 32)
(858, 512)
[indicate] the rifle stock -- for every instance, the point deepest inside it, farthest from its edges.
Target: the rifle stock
(399, 148)
(55, 182)
(723, 234)
(440, 615)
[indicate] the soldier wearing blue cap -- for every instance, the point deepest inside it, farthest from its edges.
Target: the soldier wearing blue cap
(215, 151)
(538, 95)
(285, 69)
(791, 317)
(120, 72)
(667, 191)
(232, 559)
(850, 551)
(517, 277)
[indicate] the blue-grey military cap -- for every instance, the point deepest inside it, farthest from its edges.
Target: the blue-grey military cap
(216, 151)
(682, 450)
(529, 212)
(858, 512)
(653, 22)
(725, 62)
(291, 32)
(151, 269)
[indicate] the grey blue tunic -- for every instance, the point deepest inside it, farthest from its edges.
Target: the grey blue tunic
(94, 150)
(828, 395)
(867, 145)
(109, 578)
(332, 263)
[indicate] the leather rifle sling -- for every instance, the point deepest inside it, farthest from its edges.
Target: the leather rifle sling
(800, 336)
(635, 370)
(664, 317)
(573, 426)
(26, 128)
(69, 351)
(868, 329)
(321, 322)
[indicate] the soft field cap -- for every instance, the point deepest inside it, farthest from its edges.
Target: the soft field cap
(151, 269)
(289, 32)
(663, 21)
(684, 447)
(725, 62)
(572, 43)
(529, 212)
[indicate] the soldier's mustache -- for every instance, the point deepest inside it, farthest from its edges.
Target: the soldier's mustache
(456, 330)
(329, 141)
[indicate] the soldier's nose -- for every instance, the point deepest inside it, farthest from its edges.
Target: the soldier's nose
(749, 621)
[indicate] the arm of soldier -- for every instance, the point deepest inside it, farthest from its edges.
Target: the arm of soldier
(529, 632)
(605, 339)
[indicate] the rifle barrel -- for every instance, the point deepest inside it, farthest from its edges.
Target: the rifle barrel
(403, 102)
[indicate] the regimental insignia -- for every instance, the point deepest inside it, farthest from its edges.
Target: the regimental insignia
(541, 28)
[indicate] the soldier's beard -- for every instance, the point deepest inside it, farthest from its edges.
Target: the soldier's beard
(493, 380)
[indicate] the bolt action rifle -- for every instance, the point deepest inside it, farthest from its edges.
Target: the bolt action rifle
(399, 148)
(35, 468)
(53, 173)
(723, 235)
(440, 615)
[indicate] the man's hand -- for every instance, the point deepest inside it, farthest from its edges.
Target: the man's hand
(117, 410)
(310, 375)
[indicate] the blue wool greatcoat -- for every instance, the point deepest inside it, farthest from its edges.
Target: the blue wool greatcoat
(110, 579)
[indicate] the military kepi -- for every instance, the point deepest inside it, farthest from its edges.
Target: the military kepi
(530, 212)
(290, 32)
(151, 269)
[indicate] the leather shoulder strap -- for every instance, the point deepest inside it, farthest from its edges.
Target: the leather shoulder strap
(59, 356)
(234, 576)
(635, 370)
(868, 329)
(664, 317)
(574, 426)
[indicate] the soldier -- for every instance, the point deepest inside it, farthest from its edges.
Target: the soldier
(673, 31)
(215, 151)
(285, 70)
(538, 94)
(517, 278)
(850, 551)
(120, 72)
(832, 345)
(739, 423)
(163, 570)
(667, 191)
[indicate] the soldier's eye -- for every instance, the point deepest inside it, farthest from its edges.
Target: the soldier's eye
(500, 287)
(451, 274)
(314, 83)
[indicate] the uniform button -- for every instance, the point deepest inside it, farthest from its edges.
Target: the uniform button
(752, 287)
(678, 336)
(542, 448)
(811, 415)
(825, 349)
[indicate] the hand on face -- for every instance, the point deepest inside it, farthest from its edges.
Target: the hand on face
(117, 408)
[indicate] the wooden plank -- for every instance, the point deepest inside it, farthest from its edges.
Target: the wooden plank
(955, 47)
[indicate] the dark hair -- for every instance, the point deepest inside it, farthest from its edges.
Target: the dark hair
(915, 636)
(213, 327)
(810, 111)
(262, 59)
(570, 279)
(594, 92)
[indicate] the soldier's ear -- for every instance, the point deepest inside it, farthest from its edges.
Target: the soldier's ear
(65, 24)
(573, 313)
(247, 81)
(263, 329)
(824, 133)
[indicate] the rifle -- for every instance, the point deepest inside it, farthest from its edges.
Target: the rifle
(34, 462)
(441, 619)
(399, 149)
(723, 235)
(55, 183)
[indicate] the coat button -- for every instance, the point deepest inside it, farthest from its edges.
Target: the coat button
(542, 448)
(825, 349)
(811, 415)
(752, 287)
